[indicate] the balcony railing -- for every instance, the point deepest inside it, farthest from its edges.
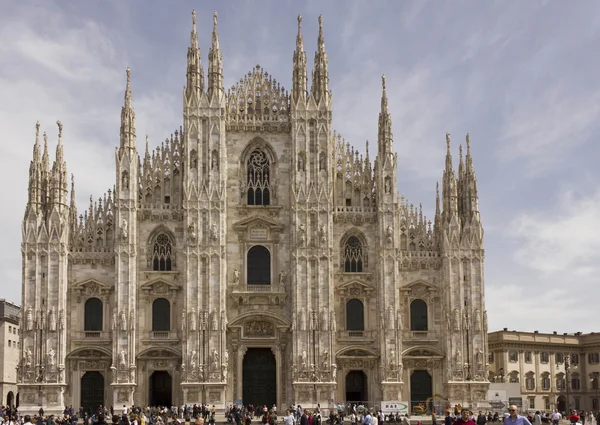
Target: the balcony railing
(355, 335)
(260, 288)
(93, 334)
(160, 335)
(421, 335)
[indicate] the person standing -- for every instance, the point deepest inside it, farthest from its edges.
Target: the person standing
(514, 418)
(464, 418)
(481, 419)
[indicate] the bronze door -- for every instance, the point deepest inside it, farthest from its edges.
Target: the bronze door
(92, 391)
(161, 389)
(420, 388)
(259, 377)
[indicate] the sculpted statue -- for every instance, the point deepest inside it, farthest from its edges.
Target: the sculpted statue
(392, 361)
(226, 356)
(388, 185)
(224, 372)
(389, 233)
(27, 357)
(456, 320)
(236, 276)
(334, 371)
(193, 320)
(215, 358)
(477, 320)
(302, 232)
(192, 231)
(124, 233)
(214, 321)
(465, 321)
(123, 320)
(325, 359)
(61, 319)
(193, 359)
(322, 233)
(123, 358)
(51, 357)
(302, 319)
(300, 162)
(213, 232)
(52, 319)
(132, 320)
(183, 320)
(390, 318)
(282, 277)
(303, 359)
(125, 180)
(399, 323)
(115, 322)
(322, 162)
(400, 368)
(29, 319)
(215, 162)
(457, 358)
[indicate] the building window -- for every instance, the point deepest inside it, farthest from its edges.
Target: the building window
(544, 357)
(574, 358)
(353, 255)
(258, 172)
(92, 316)
(530, 381)
(513, 377)
(575, 382)
(418, 316)
(10, 329)
(161, 315)
(532, 402)
(162, 252)
(560, 358)
(355, 316)
(546, 381)
(593, 358)
(9, 342)
(577, 403)
(546, 404)
(527, 356)
(491, 357)
(594, 381)
(258, 266)
(595, 404)
(513, 357)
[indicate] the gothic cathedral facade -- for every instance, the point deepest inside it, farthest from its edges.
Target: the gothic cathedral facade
(254, 256)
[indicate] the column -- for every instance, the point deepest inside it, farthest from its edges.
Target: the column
(239, 366)
(277, 352)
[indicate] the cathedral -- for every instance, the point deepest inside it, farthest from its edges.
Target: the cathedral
(253, 257)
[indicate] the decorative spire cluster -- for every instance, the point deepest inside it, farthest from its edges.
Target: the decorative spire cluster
(195, 70)
(353, 175)
(127, 118)
(215, 64)
(320, 74)
(299, 76)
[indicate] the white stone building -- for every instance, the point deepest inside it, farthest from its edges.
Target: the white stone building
(554, 371)
(254, 256)
(9, 352)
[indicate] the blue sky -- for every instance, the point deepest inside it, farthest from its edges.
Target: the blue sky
(520, 77)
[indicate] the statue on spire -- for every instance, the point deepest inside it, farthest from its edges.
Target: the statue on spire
(448, 140)
(60, 128)
(194, 17)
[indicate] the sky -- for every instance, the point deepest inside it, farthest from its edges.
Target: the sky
(520, 77)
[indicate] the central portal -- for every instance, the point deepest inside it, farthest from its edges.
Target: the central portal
(420, 388)
(161, 389)
(356, 387)
(259, 377)
(92, 391)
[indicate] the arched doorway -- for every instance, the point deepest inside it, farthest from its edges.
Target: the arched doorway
(259, 377)
(92, 391)
(561, 403)
(10, 399)
(420, 388)
(356, 387)
(161, 389)
(259, 266)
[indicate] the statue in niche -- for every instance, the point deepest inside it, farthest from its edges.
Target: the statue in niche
(214, 165)
(400, 368)
(479, 357)
(456, 320)
(115, 321)
(392, 361)
(302, 231)
(322, 162)
(226, 356)
(332, 323)
(302, 319)
(399, 323)
(303, 359)
(236, 276)
(457, 359)
(61, 319)
(123, 320)
(325, 359)
(28, 356)
(294, 318)
(192, 231)
(193, 359)
(465, 321)
(193, 320)
(388, 185)
(123, 229)
(322, 234)
(224, 372)
(183, 320)
(29, 319)
(52, 319)
(301, 162)
(51, 357)
(282, 277)
(125, 180)
(334, 371)
(215, 358)
(123, 358)
(213, 232)
(477, 320)
(131, 320)
(193, 159)
(389, 233)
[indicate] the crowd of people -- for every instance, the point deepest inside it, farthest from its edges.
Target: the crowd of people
(295, 415)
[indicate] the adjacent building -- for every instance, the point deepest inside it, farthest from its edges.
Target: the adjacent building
(553, 370)
(9, 352)
(254, 255)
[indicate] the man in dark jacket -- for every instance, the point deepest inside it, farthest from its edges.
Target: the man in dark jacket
(481, 419)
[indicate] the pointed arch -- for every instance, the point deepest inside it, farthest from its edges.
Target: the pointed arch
(353, 251)
(258, 163)
(161, 249)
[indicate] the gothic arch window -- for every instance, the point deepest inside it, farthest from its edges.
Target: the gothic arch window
(258, 169)
(355, 315)
(92, 316)
(353, 255)
(161, 315)
(258, 266)
(162, 252)
(418, 316)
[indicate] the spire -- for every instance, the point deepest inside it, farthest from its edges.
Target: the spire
(195, 71)
(127, 118)
(36, 146)
(472, 200)
(320, 75)
(385, 139)
(449, 193)
(215, 63)
(59, 146)
(45, 156)
(73, 212)
(59, 185)
(299, 73)
(35, 171)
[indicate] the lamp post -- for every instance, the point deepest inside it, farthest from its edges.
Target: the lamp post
(567, 383)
